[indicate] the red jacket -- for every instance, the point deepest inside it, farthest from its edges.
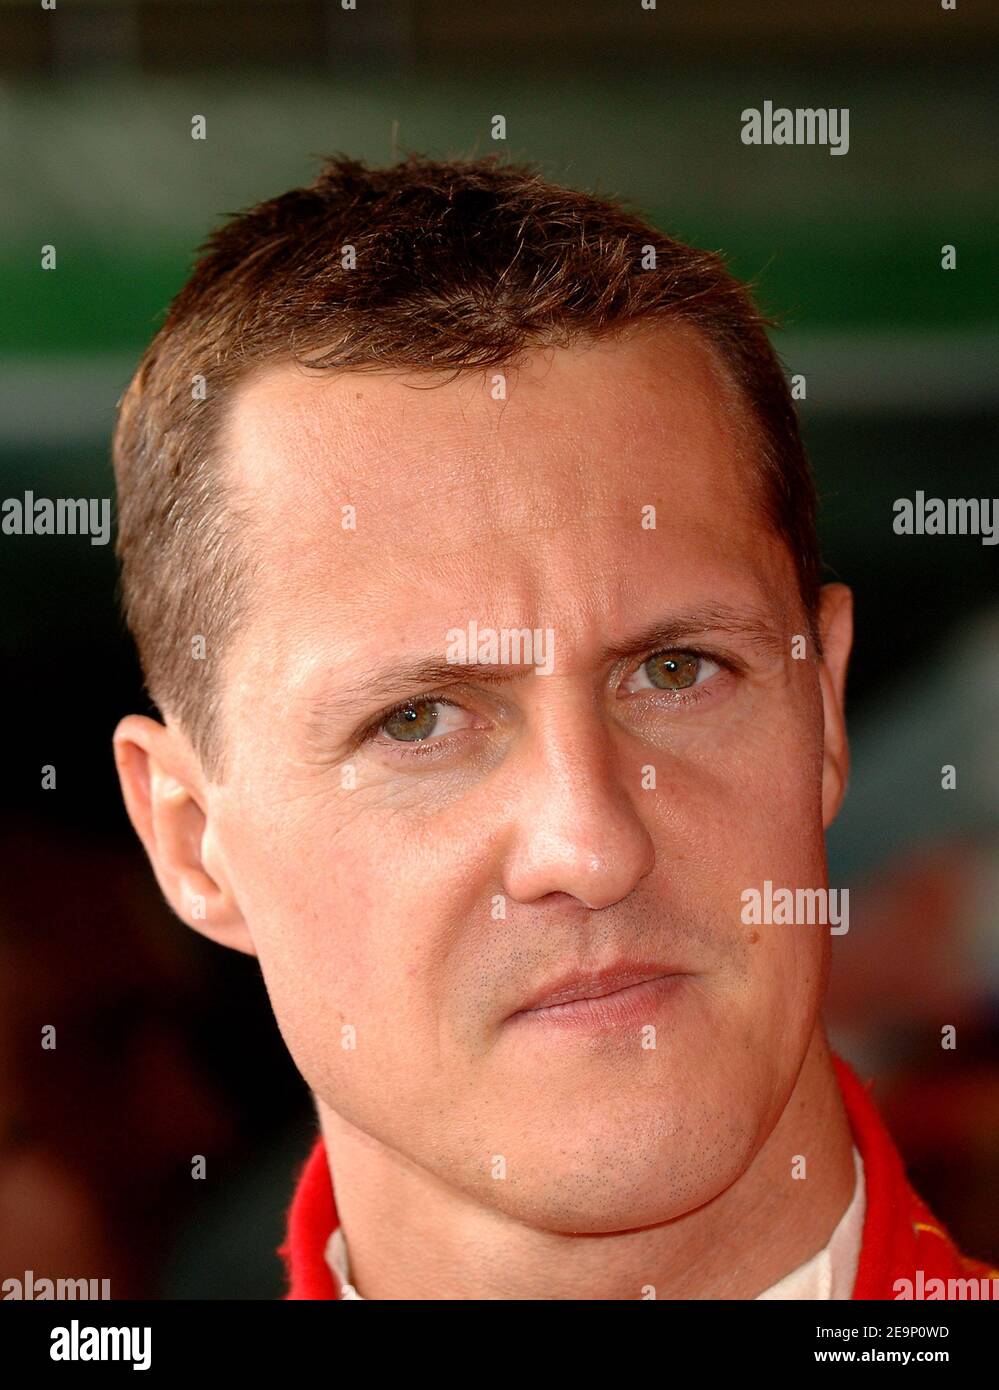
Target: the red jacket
(901, 1236)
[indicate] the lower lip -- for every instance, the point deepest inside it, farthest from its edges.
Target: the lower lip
(630, 1007)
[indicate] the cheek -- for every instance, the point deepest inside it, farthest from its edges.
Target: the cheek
(351, 920)
(775, 789)
(743, 813)
(747, 812)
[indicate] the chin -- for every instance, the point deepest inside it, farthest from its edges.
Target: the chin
(616, 1183)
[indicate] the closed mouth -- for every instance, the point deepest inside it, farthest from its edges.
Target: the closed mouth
(568, 991)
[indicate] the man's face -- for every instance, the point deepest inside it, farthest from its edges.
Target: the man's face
(407, 897)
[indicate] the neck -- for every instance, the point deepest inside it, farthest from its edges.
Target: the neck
(411, 1236)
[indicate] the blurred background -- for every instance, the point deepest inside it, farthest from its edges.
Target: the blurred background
(167, 1045)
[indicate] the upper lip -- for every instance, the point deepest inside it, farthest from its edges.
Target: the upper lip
(591, 985)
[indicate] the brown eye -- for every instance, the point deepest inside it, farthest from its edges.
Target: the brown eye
(424, 719)
(411, 723)
(672, 670)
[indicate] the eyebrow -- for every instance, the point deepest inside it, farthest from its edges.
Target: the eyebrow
(398, 682)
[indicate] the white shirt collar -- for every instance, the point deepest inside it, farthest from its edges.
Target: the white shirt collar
(832, 1272)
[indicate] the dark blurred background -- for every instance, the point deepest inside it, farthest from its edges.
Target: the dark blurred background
(167, 1046)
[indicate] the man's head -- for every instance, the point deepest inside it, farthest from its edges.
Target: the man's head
(437, 268)
(399, 404)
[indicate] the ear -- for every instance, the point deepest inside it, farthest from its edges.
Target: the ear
(836, 628)
(164, 789)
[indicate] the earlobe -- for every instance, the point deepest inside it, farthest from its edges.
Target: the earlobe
(164, 797)
(836, 628)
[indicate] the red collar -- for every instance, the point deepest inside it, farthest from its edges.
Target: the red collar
(900, 1236)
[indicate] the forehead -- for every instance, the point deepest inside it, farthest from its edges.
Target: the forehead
(549, 440)
(375, 498)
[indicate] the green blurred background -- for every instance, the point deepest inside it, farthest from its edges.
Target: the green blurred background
(900, 358)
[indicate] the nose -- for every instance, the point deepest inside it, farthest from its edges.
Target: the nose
(575, 826)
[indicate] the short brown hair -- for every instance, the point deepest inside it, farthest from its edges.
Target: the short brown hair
(458, 264)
